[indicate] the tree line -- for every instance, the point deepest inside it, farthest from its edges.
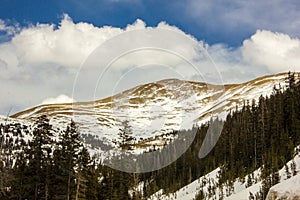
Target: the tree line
(48, 167)
(46, 163)
(262, 134)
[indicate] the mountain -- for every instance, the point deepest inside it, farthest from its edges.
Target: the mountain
(256, 150)
(153, 110)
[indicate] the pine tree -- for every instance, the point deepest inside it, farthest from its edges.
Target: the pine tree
(125, 135)
(6, 174)
(40, 159)
(293, 168)
(93, 185)
(66, 158)
(83, 164)
(287, 171)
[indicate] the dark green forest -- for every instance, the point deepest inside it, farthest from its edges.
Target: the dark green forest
(261, 134)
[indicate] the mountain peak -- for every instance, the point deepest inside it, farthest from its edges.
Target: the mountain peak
(154, 109)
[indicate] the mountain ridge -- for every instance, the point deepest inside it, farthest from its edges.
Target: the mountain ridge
(154, 109)
(243, 186)
(226, 86)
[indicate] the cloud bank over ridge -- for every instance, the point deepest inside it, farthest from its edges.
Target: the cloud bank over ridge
(42, 60)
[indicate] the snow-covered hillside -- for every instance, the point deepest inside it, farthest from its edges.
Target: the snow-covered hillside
(288, 189)
(153, 109)
(240, 190)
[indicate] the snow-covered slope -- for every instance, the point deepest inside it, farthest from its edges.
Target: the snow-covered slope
(288, 187)
(154, 109)
(245, 193)
(190, 191)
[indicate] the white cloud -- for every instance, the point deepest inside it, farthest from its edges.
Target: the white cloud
(138, 24)
(59, 99)
(276, 51)
(67, 45)
(42, 60)
(8, 29)
(71, 43)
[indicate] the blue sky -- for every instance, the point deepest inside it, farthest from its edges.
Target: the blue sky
(44, 45)
(216, 21)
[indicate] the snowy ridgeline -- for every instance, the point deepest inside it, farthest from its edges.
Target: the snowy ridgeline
(246, 189)
(152, 110)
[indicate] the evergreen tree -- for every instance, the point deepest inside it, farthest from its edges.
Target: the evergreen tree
(40, 159)
(66, 158)
(125, 135)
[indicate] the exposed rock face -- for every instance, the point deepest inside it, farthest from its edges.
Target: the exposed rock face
(286, 190)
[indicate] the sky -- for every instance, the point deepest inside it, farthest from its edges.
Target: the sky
(58, 51)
